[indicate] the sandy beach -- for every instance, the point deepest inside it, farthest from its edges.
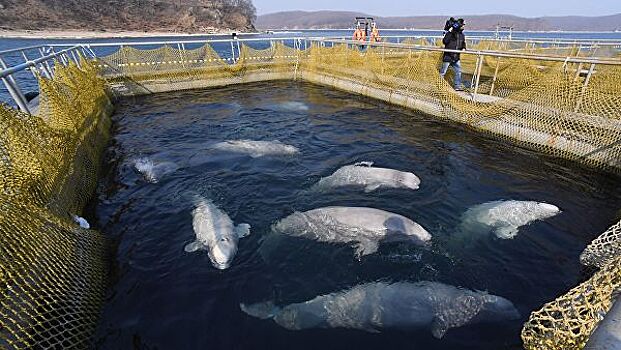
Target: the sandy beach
(84, 34)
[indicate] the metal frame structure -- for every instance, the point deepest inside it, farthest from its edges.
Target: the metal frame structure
(64, 53)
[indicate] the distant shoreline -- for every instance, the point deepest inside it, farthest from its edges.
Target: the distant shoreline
(87, 34)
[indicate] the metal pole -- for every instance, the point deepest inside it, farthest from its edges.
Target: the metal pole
(91, 51)
(584, 87)
(578, 71)
(47, 69)
(238, 48)
(474, 73)
(233, 52)
(45, 65)
(491, 90)
(478, 77)
(75, 58)
(28, 60)
(22, 104)
(14, 90)
(181, 55)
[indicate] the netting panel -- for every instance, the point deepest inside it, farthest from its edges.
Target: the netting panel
(604, 248)
(52, 272)
(567, 322)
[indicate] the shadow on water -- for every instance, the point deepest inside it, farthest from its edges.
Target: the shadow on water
(164, 297)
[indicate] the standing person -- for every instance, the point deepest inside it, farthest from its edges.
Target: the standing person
(454, 39)
(359, 34)
(375, 37)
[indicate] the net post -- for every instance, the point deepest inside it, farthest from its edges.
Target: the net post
(14, 90)
(491, 90)
(584, 87)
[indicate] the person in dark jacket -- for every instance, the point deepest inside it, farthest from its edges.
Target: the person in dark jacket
(454, 39)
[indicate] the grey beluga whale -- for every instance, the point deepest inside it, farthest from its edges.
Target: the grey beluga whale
(365, 175)
(375, 306)
(364, 227)
(215, 233)
(256, 149)
(153, 171)
(504, 218)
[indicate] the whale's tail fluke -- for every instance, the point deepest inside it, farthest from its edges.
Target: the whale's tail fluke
(265, 310)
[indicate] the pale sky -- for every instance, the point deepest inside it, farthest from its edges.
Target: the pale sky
(524, 8)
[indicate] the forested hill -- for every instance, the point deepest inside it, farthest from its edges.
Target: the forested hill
(128, 15)
(344, 19)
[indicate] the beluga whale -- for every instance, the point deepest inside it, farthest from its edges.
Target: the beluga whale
(371, 178)
(153, 172)
(505, 217)
(375, 306)
(215, 233)
(256, 149)
(361, 226)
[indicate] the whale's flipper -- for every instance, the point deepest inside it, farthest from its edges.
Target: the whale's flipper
(263, 310)
(371, 187)
(506, 232)
(242, 230)
(439, 327)
(366, 247)
(192, 247)
(458, 313)
(367, 164)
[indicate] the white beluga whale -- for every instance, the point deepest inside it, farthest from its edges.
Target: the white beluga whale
(256, 149)
(504, 218)
(293, 106)
(215, 233)
(370, 178)
(373, 307)
(82, 222)
(364, 227)
(154, 171)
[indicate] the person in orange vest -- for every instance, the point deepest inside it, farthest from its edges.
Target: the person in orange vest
(375, 36)
(359, 34)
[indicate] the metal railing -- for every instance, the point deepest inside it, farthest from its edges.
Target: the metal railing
(49, 55)
(480, 54)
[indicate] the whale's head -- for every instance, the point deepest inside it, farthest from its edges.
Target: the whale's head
(410, 181)
(547, 210)
(222, 252)
(496, 308)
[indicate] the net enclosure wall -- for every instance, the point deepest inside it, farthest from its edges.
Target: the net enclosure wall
(565, 109)
(569, 110)
(53, 272)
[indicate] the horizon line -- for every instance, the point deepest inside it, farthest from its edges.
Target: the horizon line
(440, 15)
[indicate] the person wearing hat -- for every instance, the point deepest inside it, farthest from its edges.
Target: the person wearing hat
(454, 39)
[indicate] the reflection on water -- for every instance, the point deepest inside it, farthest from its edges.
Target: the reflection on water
(163, 297)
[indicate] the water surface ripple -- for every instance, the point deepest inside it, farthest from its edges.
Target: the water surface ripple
(162, 297)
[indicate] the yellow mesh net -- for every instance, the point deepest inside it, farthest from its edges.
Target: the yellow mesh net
(603, 249)
(554, 107)
(52, 273)
(568, 321)
(549, 106)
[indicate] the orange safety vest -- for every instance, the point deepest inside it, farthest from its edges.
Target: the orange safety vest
(359, 35)
(375, 35)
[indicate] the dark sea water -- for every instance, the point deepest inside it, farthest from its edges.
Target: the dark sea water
(164, 298)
